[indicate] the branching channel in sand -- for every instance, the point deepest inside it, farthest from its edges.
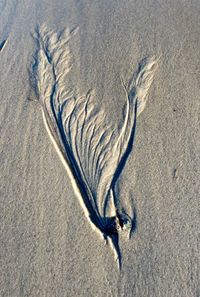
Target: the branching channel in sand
(92, 152)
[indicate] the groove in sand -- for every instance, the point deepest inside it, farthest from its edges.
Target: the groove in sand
(93, 152)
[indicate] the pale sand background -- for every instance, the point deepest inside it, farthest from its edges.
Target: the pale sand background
(47, 247)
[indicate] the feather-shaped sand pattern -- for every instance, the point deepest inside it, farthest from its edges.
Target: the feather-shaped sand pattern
(93, 153)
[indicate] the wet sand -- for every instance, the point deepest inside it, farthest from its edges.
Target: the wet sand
(48, 247)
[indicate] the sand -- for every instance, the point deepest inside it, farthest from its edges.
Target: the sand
(47, 245)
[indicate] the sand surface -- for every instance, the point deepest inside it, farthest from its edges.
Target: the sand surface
(47, 246)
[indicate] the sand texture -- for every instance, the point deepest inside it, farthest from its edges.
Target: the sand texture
(110, 90)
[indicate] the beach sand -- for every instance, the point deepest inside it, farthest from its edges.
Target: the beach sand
(47, 246)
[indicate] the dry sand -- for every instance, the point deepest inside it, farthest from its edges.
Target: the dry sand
(47, 246)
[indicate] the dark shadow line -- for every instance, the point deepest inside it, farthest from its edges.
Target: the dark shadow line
(133, 222)
(95, 218)
(115, 241)
(126, 153)
(123, 160)
(2, 44)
